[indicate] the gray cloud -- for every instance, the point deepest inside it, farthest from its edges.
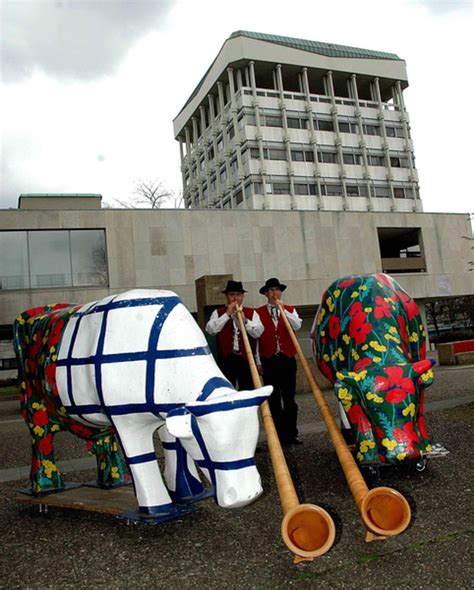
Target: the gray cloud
(73, 39)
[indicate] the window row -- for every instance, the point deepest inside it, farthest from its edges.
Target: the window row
(53, 258)
(298, 121)
(335, 189)
(327, 156)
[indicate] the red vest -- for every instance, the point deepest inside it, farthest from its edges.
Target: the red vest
(226, 335)
(267, 343)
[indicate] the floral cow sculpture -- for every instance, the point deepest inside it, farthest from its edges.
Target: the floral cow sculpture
(370, 343)
(122, 368)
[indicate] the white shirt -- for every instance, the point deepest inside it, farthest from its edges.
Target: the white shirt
(293, 318)
(216, 323)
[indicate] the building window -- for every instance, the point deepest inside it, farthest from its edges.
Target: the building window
(324, 125)
(278, 188)
(345, 127)
(297, 123)
(53, 258)
(372, 129)
(376, 160)
(394, 131)
(331, 190)
(399, 162)
(302, 156)
(269, 153)
(401, 249)
(305, 188)
(382, 191)
(327, 157)
(356, 190)
(272, 121)
(354, 159)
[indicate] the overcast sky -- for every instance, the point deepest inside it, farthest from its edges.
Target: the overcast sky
(90, 87)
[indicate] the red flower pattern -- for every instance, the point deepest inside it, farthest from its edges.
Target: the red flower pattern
(40, 418)
(45, 445)
(359, 419)
(382, 309)
(359, 328)
(362, 363)
(334, 326)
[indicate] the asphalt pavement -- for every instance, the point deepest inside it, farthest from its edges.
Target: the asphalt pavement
(215, 548)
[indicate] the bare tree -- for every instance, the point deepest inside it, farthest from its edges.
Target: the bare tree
(148, 194)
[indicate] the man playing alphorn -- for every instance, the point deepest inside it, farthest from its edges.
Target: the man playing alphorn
(277, 356)
(223, 323)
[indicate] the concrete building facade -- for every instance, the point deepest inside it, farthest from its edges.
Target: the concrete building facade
(283, 123)
(79, 256)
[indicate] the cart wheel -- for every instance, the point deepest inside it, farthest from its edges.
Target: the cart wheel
(420, 466)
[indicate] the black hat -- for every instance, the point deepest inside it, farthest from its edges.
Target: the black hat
(234, 287)
(270, 284)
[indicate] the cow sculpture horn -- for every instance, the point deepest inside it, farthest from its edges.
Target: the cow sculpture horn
(307, 530)
(384, 511)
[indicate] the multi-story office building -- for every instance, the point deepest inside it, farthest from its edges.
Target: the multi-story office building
(282, 123)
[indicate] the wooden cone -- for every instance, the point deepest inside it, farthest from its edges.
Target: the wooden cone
(384, 511)
(307, 530)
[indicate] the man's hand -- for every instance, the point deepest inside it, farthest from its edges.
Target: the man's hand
(231, 308)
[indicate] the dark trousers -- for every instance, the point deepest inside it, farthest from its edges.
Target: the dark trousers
(280, 371)
(236, 369)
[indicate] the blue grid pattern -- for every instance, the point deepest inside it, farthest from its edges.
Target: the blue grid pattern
(151, 355)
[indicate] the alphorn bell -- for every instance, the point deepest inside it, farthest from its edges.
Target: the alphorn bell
(307, 530)
(384, 511)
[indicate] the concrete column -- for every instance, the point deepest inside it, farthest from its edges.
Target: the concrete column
(259, 137)
(362, 144)
(215, 170)
(338, 142)
(312, 134)
(386, 150)
(237, 134)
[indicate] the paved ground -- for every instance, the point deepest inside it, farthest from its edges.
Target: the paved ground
(214, 548)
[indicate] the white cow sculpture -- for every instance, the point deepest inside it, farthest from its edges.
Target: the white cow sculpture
(139, 362)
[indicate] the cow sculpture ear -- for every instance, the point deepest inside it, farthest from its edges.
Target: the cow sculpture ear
(421, 371)
(179, 424)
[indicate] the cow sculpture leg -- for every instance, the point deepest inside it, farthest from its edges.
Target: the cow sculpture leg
(181, 475)
(111, 471)
(136, 438)
(45, 475)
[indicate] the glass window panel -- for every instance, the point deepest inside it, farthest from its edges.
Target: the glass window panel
(333, 189)
(297, 155)
(50, 263)
(344, 127)
(276, 154)
(325, 126)
(309, 156)
(13, 260)
(301, 189)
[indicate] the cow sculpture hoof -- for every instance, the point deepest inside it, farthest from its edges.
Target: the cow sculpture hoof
(171, 513)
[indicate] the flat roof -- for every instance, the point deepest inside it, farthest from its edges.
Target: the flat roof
(60, 195)
(329, 49)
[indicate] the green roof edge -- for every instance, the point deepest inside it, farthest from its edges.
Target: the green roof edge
(328, 49)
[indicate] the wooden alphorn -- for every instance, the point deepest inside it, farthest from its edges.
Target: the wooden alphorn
(384, 511)
(307, 530)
